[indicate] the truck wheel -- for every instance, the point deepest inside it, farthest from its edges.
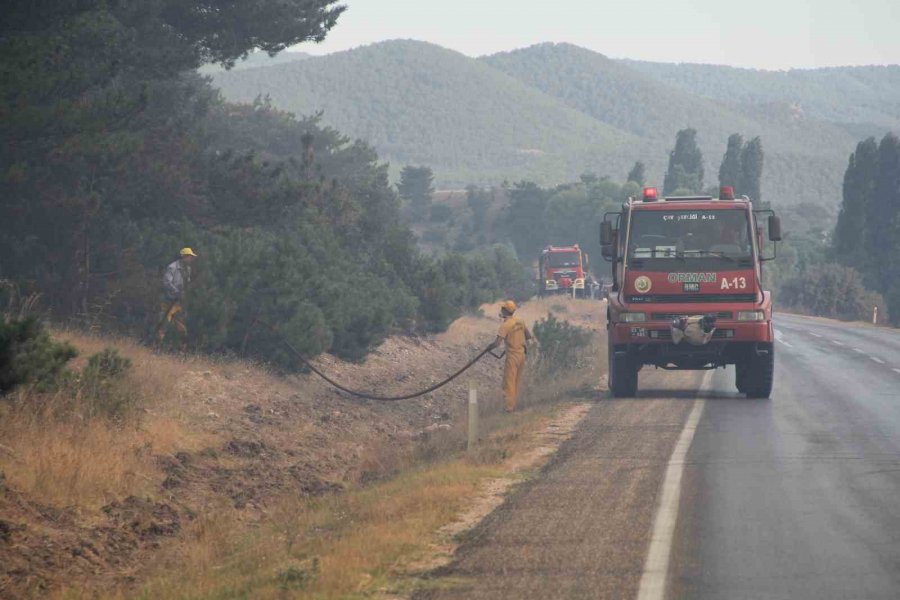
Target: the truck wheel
(740, 376)
(623, 376)
(760, 374)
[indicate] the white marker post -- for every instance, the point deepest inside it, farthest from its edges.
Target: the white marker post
(473, 417)
(875, 316)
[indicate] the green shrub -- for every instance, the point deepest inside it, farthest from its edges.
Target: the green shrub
(434, 235)
(29, 356)
(562, 344)
(108, 364)
(834, 291)
(102, 387)
(297, 577)
(441, 213)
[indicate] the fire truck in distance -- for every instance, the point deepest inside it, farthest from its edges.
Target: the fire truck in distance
(687, 291)
(562, 270)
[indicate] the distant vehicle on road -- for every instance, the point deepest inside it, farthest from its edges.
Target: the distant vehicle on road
(562, 270)
(687, 291)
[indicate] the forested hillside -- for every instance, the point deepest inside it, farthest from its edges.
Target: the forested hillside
(553, 111)
(119, 154)
(419, 103)
(255, 60)
(856, 97)
(800, 151)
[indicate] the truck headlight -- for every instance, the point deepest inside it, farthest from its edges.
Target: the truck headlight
(634, 317)
(751, 315)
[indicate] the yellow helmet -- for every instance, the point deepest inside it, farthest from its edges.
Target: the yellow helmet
(509, 306)
(187, 252)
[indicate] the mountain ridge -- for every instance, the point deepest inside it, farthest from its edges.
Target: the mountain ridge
(551, 111)
(418, 117)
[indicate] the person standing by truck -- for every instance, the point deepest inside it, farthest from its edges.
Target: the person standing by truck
(515, 334)
(175, 280)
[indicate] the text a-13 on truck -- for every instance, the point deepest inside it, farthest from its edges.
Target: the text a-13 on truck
(687, 291)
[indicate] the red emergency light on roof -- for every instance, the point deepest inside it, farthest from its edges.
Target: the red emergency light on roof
(726, 192)
(650, 194)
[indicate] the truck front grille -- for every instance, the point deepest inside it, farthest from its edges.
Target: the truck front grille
(690, 298)
(664, 316)
(666, 334)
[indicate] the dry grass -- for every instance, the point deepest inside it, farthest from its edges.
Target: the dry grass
(76, 464)
(153, 376)
(346, 546)
(57, 457)
(340, 547)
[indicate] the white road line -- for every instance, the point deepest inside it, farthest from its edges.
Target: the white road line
(656, 566)
(780, 337)
(837, 343)
(876, 359)
(814, 334)
(858, 350)
(896, 370)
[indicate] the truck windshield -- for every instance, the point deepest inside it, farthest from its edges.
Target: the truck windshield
(563, 259)
(715, 236)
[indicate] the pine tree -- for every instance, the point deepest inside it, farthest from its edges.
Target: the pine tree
(751, 170)
(415, 187)
(524, 221)
(730, 172)
(685, 170)
(637, 174)
(850, 233)
(883, 220)
(479, 202)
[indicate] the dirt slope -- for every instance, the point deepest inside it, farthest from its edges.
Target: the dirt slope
(217, 434)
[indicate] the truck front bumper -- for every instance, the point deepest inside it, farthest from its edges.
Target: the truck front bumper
(650, 344)
(659, 332)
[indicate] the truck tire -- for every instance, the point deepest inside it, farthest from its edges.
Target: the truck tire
(740, 376)
(759, 374)
(623, 376)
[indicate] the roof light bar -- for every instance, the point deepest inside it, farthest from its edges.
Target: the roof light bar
(726, 192)
(650, 194)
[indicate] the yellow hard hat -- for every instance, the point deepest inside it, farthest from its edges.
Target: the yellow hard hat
(509, 306)
(187, 252)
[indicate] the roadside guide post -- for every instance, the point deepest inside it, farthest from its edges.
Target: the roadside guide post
(875, 316)
(473, 417)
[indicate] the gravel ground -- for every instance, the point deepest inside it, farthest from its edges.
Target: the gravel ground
(581, 528)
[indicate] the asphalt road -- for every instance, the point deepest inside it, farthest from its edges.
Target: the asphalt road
(794, 497)
(799, 497)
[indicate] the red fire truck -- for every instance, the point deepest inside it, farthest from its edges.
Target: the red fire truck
(687, 291)
(562, 270)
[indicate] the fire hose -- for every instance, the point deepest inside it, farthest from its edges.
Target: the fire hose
(365, 395)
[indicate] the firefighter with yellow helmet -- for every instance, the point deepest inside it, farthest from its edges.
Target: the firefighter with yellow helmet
(175, 280)
(515, 334)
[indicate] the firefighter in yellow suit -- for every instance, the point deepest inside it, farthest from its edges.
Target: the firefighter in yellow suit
(516, 336)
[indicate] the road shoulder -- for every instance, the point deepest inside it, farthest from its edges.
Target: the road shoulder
(582, 527)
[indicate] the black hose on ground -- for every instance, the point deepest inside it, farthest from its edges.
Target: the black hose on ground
(367, 396)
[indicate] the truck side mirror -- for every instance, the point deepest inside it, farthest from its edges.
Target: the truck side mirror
(608, 251)
(605, 233)
(774, 228)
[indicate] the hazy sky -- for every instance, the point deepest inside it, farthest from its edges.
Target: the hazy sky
(771, 34)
